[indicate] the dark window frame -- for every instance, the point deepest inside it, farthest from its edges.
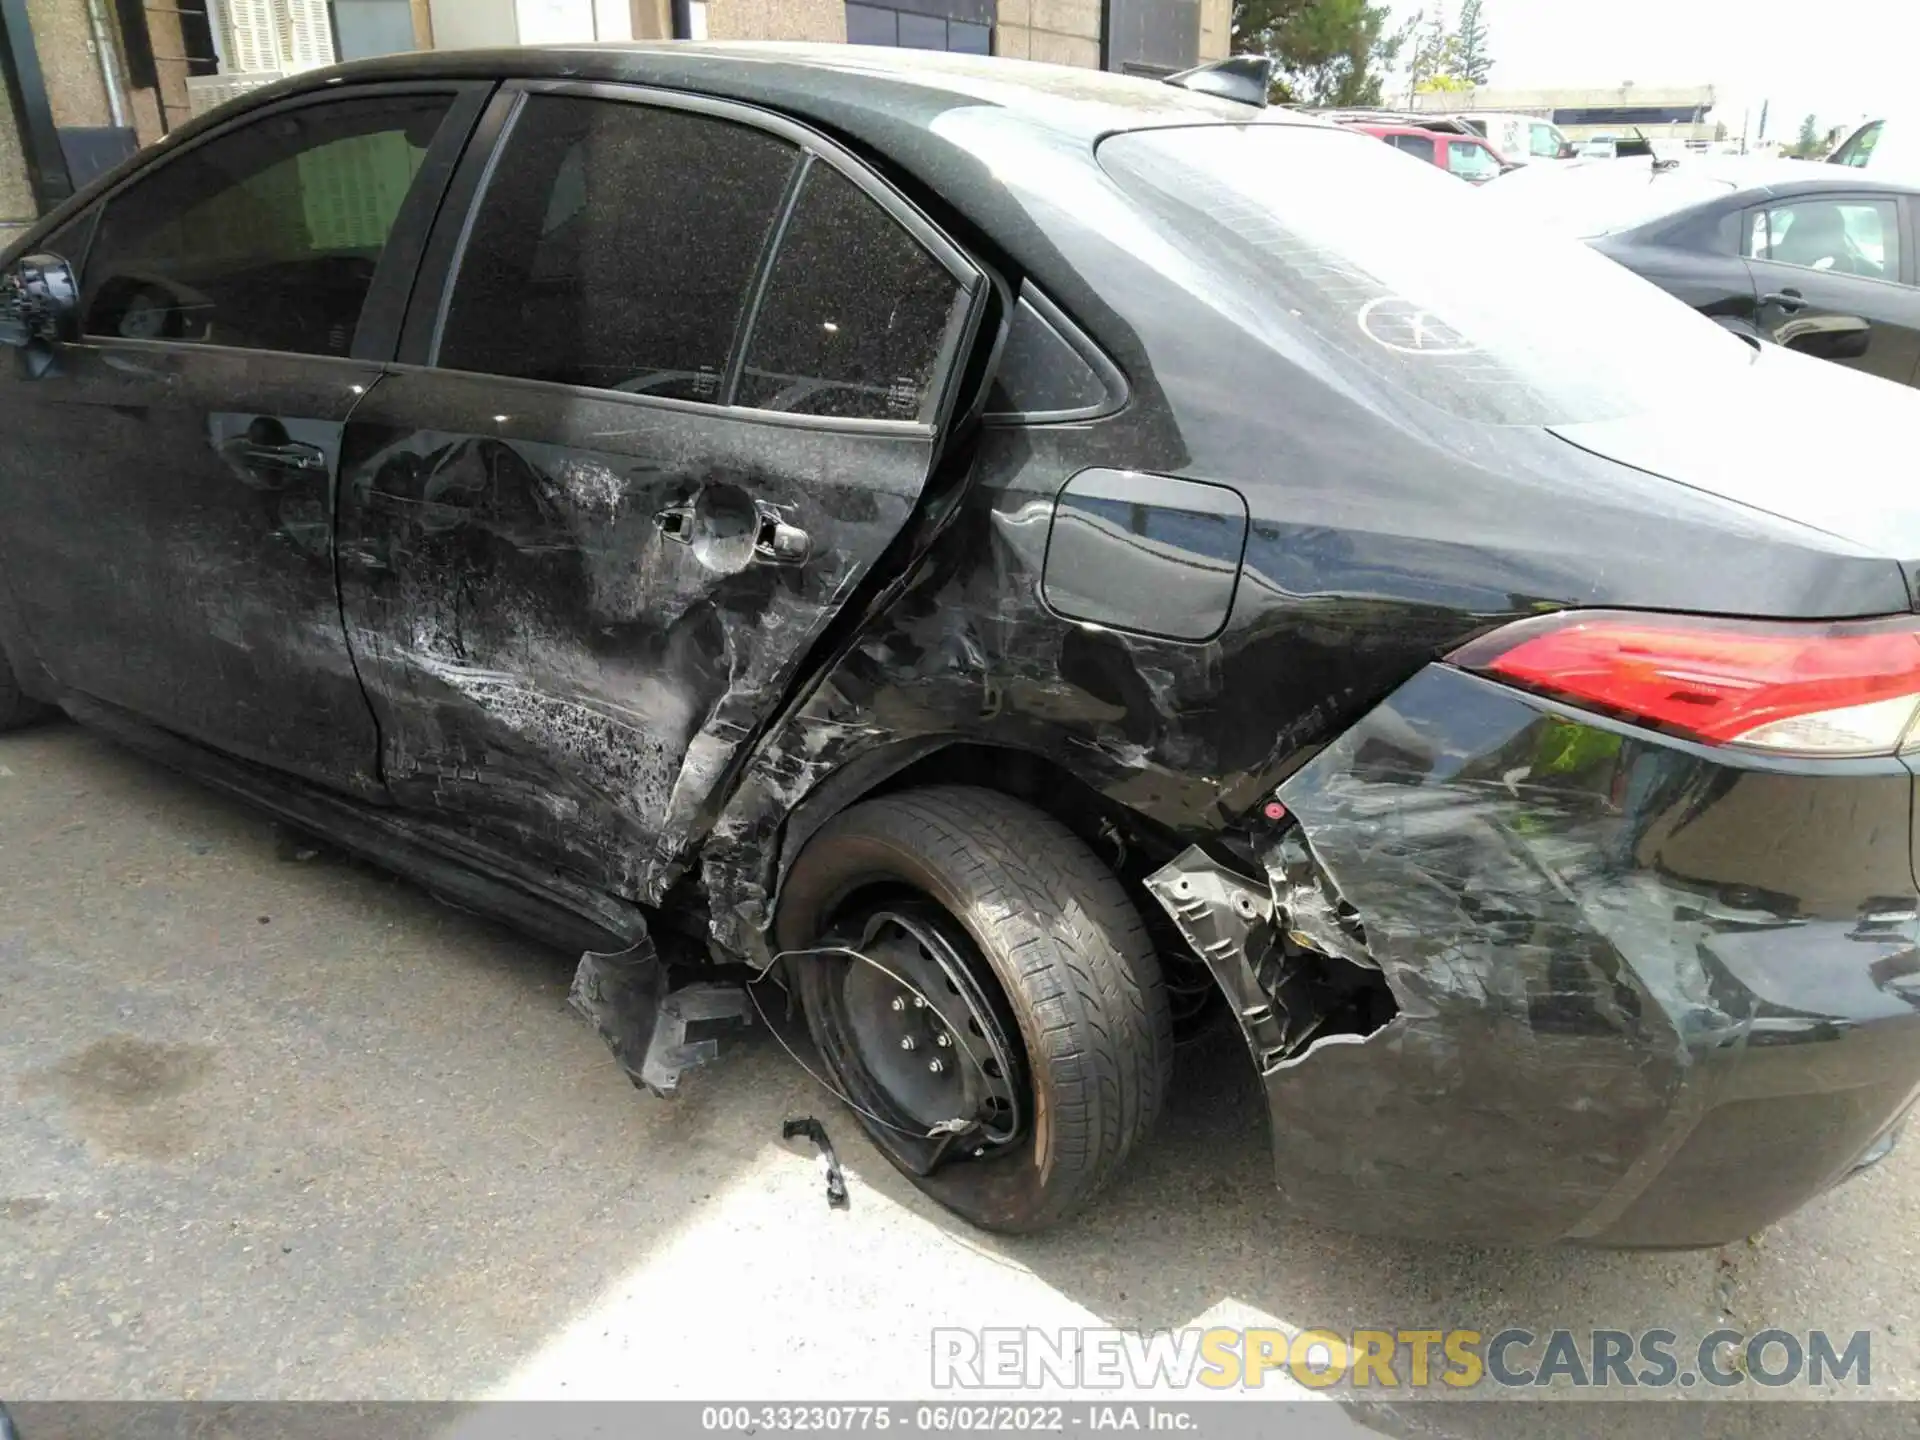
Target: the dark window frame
(377, 335)
(752, 286)
(1909, 267)
(440, 268)
(1411, 145)
(1111, 378)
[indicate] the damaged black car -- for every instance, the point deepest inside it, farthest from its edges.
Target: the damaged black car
(1020, 565)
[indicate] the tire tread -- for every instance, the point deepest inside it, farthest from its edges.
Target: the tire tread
(1090, 976)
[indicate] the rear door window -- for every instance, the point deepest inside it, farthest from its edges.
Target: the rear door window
(857, 313)
(1419, 146)
(1858, 237)
(616, 248)
(267, 237)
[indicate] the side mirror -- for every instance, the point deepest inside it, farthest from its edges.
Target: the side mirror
(39, 302)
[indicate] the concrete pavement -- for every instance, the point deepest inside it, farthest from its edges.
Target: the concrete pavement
(273, 1125)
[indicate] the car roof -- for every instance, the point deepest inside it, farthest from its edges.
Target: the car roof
(1760, 176)
(1375, 128)
(975, 140)
(1623, 196)
(1785, 177)
(830, 83)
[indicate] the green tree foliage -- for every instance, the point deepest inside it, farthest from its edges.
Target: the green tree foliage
(1474, 49)
(1811, 143)
(1325, 52)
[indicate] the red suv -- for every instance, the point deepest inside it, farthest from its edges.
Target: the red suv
(1467, 156)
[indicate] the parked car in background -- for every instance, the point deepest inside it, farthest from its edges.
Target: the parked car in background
(1021, 559)
(1816, 259)
(1889, 146)
(1465, 155)
(1520, 139)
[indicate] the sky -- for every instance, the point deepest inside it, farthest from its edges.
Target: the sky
(1843, 61)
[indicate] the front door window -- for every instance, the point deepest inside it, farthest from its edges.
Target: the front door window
(266, 238)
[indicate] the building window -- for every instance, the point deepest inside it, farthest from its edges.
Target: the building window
(880, 25)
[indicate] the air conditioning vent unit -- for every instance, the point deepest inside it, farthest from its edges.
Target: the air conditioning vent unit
(275, 35)
(206, 92)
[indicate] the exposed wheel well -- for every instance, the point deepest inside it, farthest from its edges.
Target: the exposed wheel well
(1132, 846)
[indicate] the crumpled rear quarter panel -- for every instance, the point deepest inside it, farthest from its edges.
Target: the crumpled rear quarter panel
(1646, 997)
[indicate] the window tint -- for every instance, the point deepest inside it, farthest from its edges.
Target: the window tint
(1041, 374)
(1707, 231)
(1418, 146)
(1841, 237)
(266, 238)
(1472, 162)
(856, 311)
(615, 247)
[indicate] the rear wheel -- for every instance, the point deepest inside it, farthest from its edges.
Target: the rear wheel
(15, 708)
(1004, 1035)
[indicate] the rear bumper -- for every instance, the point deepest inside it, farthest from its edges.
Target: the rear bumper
(1641, 993)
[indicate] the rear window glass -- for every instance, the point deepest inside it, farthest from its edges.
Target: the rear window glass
(1412, 278)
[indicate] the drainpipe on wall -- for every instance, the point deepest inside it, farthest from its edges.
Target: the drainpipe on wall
(108, 52)
(33, 114)
(682, 11)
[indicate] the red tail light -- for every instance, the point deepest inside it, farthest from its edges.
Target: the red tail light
(1811, 689)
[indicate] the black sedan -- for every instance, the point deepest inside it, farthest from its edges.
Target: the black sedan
(1028, 562)
(1819, 260)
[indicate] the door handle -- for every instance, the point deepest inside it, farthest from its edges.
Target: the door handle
(288, 455)
(1788, 300)
(774, 541)
(676, 523)
(778, 543)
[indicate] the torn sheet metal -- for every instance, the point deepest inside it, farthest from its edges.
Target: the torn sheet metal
(1184, 735)
(1618, 971)
(565, 616)
(645, 1024)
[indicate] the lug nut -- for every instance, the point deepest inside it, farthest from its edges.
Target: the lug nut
(943, 1039)
(906, 1042)
(898, 1003)
(919, 1002)
(934, 1066)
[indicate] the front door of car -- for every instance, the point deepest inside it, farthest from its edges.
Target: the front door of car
(1833, 275)
(682, 387)
(167, 489)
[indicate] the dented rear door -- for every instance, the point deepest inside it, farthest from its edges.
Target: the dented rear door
(685, 389)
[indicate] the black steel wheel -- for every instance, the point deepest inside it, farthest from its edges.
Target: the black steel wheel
(987, 998)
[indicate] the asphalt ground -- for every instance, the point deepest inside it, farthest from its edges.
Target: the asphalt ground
(274, 1125)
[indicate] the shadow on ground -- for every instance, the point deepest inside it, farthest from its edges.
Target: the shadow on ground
(279, 1126)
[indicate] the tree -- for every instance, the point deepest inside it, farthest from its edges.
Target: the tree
(1325, 52)
(1475, 57)
(1808, 146)
(1436, 52)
